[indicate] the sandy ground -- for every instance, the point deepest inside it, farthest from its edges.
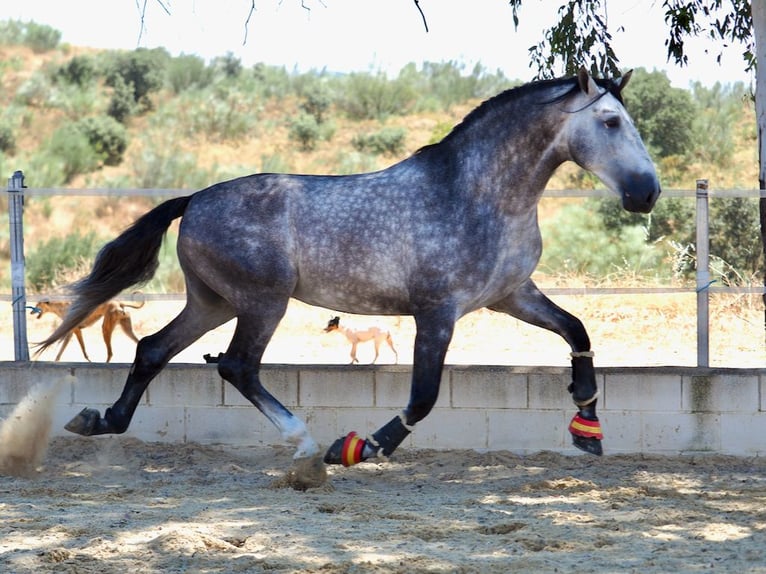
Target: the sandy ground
(116, 505)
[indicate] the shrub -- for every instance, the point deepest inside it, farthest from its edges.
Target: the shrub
(187, 71)
(305, 130)
(41, 37)
(229, 65)
(317, 101)
(141, 70)
(388, 141)
(57, 257)
(375, 97)
(106, 136)
(7, 138)
(70, 149)
(121, 104)
(80, 71)
(576, 242)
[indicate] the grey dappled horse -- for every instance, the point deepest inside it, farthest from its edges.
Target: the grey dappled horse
(451, 229)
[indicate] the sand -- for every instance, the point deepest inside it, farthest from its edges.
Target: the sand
(115, 504)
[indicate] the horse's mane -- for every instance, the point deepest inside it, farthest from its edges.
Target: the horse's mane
(519, 92)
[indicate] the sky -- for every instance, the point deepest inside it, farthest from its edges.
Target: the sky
(368, 35)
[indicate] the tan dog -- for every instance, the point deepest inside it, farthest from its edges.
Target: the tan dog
(374, 334)
(113, 312)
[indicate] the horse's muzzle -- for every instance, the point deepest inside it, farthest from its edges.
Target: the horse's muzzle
(640, 193)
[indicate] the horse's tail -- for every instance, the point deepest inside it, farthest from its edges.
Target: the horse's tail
(127, 260)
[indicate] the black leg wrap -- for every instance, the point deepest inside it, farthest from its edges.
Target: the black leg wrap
(390, 435)
(583, 386)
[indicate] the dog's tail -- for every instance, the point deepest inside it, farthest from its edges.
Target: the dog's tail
(134, 305)
(128, 260)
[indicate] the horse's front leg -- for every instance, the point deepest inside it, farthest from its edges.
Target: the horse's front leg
(434, 332)
(530, 305)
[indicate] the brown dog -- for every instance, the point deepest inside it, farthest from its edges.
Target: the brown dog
(114, 314)
(374, 334)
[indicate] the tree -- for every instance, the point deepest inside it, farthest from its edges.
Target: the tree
(663, 115)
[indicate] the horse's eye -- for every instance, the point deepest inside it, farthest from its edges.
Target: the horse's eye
(613, 122)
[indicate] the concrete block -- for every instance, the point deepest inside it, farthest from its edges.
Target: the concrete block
(452, 428)
(242, 426)
(527, 431)
(549, 390)
(495, 388)
(345, 387)
(392, 389)
(680, 433)
(159, 424)
(641, 391)
(187, 387)
(622, 431)
(99, 386)
(711, 393)
(743, 434)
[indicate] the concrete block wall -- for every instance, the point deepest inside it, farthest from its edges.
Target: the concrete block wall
(664, 410)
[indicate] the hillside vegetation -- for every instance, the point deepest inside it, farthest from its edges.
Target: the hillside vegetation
(79, 118)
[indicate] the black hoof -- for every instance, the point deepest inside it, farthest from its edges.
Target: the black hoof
(588, 444)
(84, 423)
(334, 454)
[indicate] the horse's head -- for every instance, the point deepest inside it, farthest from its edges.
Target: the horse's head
(603, 139)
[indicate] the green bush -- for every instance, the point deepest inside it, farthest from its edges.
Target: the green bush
(141, 70)
(122, 103)
(576, 242)
(305, 130)
(80, 71)
(388, 141)
(107, 137)
(316, 101)
(187, 71)
(41, 37)
(376, 97)
(70, 149)
(162, 164)
(7, 138)
(59, 257)
(229, 65)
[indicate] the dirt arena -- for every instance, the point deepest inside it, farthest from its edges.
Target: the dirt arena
(117, 505)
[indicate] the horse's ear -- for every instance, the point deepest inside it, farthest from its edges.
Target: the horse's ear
(587, 83)
(623, 80)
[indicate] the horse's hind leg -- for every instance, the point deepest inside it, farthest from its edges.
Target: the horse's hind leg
(434, 332)
(152, 354)
(240, 365)
(530, 305)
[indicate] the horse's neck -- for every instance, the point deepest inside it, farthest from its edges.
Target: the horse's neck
(511, 154)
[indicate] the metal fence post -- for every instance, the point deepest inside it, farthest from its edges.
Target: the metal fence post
(703, 275)
(18, 293)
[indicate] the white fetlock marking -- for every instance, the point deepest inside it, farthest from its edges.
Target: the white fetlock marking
(586, 402)
(294, 431)
(578, 354)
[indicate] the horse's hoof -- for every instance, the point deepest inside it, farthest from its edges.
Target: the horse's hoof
(346, 450)
(84, 423)
(588, 444)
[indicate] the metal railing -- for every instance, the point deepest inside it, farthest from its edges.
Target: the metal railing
(703, 286)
